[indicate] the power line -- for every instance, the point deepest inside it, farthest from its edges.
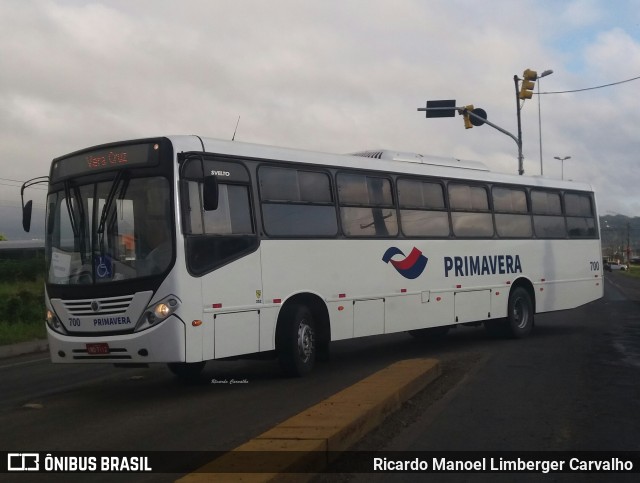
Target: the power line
(18, 181)
(590, 88)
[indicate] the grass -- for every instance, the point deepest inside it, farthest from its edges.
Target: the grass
(22, 311)
(634, 271)
(21, 332)
(8, 289)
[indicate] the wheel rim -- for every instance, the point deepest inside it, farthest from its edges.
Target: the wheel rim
(520, 313)
(305, 341)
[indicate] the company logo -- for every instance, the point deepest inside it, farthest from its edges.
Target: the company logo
(411, 267)
(220, 173)
(23, 461)
(95, 306)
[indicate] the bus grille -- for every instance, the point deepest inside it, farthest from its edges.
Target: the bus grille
(105, 306)
(115, 354)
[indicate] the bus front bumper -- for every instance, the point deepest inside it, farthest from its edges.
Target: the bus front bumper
(162, 343)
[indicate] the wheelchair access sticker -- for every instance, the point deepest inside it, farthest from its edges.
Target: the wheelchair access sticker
(103, 266)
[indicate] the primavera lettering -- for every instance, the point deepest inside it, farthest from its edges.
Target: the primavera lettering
(101, 321)
(469, 266)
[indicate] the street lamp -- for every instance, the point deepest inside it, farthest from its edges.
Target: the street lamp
(544, 74)
(628, 235)
(562, 160)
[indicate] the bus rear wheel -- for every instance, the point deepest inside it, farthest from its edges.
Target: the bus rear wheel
(519, 314)
(519, 321)
(187, 371)
(296, 341)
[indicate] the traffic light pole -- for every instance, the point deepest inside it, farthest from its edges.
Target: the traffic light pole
(519, 140)
(464, 110)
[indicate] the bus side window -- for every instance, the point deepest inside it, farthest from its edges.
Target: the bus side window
(297, 203)
(233, 214)
(580, 220)
(194, 219)
(548, 221)
(470, 214)
(422, 209)
(511, 213)
(366, 206)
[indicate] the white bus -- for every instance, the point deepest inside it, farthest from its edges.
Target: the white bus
(184, 249)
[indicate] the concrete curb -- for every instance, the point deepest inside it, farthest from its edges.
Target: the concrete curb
(304, 443)
(21, 348)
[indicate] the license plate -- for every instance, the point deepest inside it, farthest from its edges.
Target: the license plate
(98, 348)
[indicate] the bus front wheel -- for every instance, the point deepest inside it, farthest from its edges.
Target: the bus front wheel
(297, 341)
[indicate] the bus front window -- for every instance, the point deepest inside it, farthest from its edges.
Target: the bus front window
(105, 232)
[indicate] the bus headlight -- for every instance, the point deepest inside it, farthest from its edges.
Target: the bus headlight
(157, 312)
(54, 322)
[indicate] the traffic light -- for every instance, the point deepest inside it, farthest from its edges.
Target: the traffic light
(465, 115)
(528, 82)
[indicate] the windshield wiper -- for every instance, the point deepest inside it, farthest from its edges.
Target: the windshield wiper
(109, 203)
(77, 222)
(70, 210)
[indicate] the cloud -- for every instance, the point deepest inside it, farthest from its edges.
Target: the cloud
(583, 13)
(331, 76)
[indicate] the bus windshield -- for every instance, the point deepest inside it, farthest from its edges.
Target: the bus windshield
(108, 231)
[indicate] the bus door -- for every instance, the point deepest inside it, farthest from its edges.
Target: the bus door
(222, 250)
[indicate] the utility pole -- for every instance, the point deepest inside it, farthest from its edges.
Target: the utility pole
(544, 74)
(629, 244)
(526, 92)
(628, 250)
(519, 141)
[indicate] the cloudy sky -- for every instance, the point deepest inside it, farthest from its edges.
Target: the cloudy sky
(335, 76)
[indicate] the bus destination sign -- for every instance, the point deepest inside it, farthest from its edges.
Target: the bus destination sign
(117, 157)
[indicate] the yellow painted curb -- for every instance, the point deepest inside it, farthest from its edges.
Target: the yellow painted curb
(303, 442)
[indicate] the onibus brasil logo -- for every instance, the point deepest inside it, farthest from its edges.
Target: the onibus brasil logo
(410, 266)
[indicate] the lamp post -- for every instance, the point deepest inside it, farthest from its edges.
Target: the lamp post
(544, 74)
(562, 160)
(628, 250)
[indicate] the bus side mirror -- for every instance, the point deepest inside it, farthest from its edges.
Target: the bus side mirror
(27, 207)
(26, 215)
(210, 193)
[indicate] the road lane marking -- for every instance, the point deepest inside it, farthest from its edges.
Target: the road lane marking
(305, 442)
(17, 364)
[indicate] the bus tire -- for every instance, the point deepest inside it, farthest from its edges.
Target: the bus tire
(296, 341)
(432, 333)
(187, 371)
(519, 321)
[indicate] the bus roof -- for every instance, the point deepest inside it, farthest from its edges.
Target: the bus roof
(376, 160)
(421, 158)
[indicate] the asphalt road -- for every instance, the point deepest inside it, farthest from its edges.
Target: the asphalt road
(572, 385)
